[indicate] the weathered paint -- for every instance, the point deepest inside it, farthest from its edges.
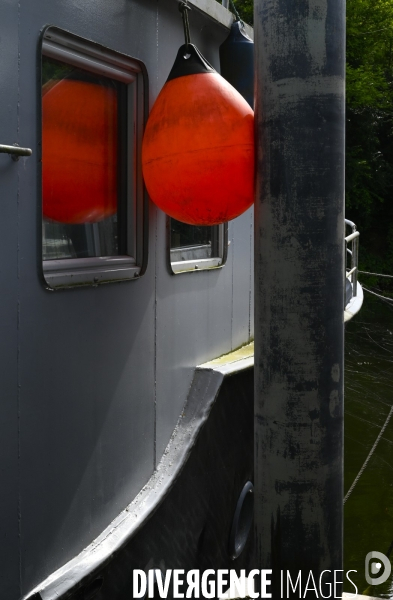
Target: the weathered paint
(193, 502)
(299, 274)
(93, 379)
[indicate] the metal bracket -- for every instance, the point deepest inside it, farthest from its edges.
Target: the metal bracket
(15, 151)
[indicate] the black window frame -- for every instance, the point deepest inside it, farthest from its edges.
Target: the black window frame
(133, 202)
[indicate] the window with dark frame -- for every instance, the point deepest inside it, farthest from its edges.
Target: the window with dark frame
(92, 192)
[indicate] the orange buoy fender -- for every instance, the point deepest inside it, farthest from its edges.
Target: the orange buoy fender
(79, 152)
(198, 147)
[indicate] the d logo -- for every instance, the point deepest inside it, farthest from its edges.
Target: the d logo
(375, 568)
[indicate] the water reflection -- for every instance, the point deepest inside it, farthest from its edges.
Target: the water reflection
(368, 512)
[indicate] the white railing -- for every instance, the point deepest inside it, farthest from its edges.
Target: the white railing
(351, 270)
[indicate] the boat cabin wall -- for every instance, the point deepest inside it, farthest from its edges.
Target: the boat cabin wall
(93, 378)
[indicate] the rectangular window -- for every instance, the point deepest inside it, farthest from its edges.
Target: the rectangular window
(93, 110)
(194, 248)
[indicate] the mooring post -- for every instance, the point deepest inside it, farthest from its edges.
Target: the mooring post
(299, 291)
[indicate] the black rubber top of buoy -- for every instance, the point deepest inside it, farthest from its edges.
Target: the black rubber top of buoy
(237, 34)
(189, 61)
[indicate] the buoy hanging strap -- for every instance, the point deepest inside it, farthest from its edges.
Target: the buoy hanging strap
(236, 13)
(184, 8)
(189, 61)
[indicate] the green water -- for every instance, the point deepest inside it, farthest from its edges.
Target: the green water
(368, 512)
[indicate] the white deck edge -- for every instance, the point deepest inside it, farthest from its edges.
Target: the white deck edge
(354, 305)
(242, 358)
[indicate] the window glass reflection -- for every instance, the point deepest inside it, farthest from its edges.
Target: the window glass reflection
(81, 175)
(183, 235)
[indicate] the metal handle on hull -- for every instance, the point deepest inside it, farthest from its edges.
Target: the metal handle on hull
(15, 151)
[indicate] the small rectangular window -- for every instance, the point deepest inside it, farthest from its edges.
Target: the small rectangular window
(93, 110)
(194, 248)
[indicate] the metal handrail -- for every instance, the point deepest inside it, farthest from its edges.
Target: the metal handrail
(353, 252)
(15, 151)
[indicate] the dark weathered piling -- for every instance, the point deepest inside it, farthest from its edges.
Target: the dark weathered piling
(299, 288)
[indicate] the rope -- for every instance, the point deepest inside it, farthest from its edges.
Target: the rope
(184, 8)
(236, 13)
(378, 274)
(368, 457)
(378, 295)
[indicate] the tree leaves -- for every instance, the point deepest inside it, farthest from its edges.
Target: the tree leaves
(369, 148)
(369, 127)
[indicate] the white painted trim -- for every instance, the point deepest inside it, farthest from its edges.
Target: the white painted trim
(196, 264)
(354, 305)
(240, 359)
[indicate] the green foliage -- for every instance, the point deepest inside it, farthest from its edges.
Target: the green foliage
(369, 151)
(245, 8)
(369, 131)
(54, 70)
